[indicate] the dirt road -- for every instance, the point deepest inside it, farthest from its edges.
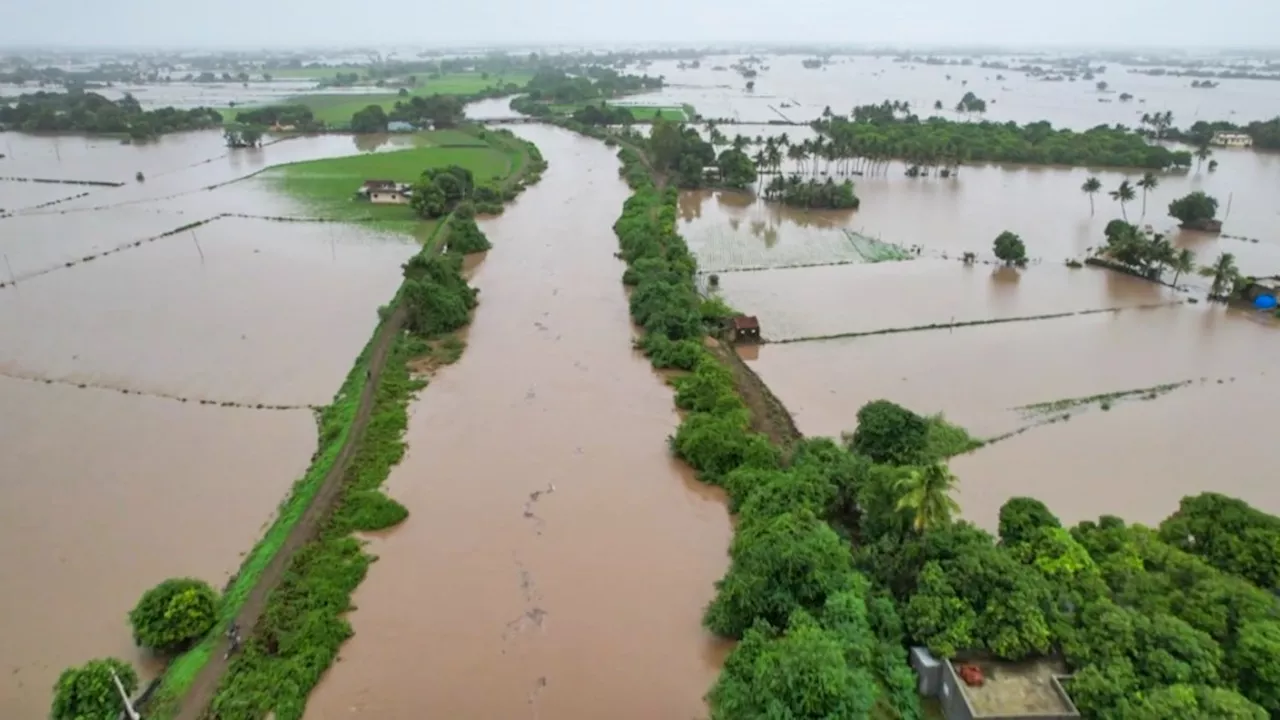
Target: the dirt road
(201, 692)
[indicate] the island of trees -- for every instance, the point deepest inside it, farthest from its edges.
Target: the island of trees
(890, 130)
(553, 91)
(88, 112)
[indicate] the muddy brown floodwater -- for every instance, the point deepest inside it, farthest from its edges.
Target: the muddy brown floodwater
(556, 559)
(114, 486)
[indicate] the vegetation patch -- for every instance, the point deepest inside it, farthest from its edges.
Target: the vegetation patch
(1054, 407)
(873, 251)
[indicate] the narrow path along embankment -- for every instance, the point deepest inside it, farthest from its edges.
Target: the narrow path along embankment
(556, 559)
(206, 680)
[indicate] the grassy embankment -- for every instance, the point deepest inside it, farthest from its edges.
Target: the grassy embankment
(302, 627)
(642, 113)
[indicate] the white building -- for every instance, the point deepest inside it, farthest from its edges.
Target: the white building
(1227, 139)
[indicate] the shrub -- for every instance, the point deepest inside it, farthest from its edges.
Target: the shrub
(1010, 249)
(465, 236)
(88, 692)
(173, 614)
(715, 444)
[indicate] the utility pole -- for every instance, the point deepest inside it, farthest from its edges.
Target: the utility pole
(124, 696)
(12, 279)
(195, 240)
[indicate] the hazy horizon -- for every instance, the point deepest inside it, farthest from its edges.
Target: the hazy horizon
(292, 24)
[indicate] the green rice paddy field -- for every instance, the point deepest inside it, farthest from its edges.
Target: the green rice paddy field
(328, 186)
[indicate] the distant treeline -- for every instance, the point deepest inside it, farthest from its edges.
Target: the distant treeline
(79, 111)
(890, 130)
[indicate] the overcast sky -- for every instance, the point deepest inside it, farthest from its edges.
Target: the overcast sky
(256, 23)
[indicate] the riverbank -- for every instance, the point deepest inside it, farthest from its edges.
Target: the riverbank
(309, 551)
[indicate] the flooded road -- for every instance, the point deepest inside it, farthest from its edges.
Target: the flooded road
(556, 560)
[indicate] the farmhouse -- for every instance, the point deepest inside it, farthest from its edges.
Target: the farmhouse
(1230, 139)
(745, 328)
(385, 192)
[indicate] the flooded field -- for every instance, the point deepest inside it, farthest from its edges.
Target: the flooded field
(105, 495)
(122, 468)
(849, 81)
(556, 559)
(979, 375)
(859, 298)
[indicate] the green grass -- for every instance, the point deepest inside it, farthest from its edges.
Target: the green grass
(328, 186)
(642, 113)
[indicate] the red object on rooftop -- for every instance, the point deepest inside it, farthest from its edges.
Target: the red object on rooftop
(971, 675)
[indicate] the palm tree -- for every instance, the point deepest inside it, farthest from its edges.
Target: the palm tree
(1091, 188)
(1202, 153)
(1183, 262)
(1124, 194)
(1148, 182)
(926, 493)
(1224, 273)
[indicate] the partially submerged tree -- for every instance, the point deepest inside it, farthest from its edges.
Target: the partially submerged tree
(88, 692)
(1010, 249)
(173, 614)
(1123, 194)
(1195, 210)
(1091, 188)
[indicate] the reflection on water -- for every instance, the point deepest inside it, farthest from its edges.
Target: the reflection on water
(103, 496)
(556, 559)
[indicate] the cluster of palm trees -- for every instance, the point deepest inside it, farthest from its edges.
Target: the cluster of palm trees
(1158, 122)
(1152, 255)
(843, 156)
(1124, 193)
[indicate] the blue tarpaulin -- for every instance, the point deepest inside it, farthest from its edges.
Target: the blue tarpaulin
(1264, 302)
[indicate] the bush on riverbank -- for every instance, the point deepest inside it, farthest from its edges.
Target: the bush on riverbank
(437, 298)
(464, 236)
(173, 614)
(88, 692)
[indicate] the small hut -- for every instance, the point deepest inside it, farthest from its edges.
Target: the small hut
(745, 328)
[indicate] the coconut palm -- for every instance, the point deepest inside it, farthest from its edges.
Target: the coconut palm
(926, 493)
(1202, 153)
(1224, 273)
(1183, 262)
(1123, 194)
(1091, 188)
(1147, 183)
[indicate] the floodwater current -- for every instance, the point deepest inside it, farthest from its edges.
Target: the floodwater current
(556, 559)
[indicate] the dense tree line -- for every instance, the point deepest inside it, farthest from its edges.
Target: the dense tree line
(811, 193)
(878, 133)
(439, 190)
(436, 295)
(78, 111)
(297, 115)
(592, 82)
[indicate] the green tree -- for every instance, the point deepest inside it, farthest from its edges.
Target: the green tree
(802, 674)
(428, 199)
(1021, 517)
(1202, 153)
(1123, 194)
(1183, 262)
(925, 493)
(1195, 701)
(1091, 187)
(1010, 249)
(736, 169)
(173, 614)
(889, 433)
(1147, 183)
(1225, 275)
(938, 617)
(1256, 662)
(88, 692)
(789, 562)
(1194, 209)
(371, 119)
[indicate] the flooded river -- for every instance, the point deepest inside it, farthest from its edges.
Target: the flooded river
(556, 560)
